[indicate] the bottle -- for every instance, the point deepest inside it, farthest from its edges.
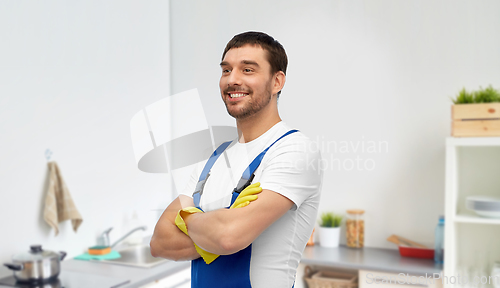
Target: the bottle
(495, 274)
(439, 241)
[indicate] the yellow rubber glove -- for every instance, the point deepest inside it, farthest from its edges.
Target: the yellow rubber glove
(179, 221)
(247, 195)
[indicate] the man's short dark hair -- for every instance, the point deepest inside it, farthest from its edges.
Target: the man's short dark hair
(276, 55)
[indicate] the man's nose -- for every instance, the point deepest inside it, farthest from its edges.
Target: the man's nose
(234, 78)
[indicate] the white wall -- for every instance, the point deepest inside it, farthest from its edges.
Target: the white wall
(359, 71)
(72, 75)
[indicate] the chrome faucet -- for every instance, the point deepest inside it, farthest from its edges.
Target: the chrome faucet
(103, 240)
(126, 235)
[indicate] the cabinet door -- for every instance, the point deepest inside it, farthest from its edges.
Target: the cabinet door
(367, 279)
(181, 279)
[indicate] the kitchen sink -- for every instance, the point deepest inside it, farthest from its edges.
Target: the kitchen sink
(138, 256)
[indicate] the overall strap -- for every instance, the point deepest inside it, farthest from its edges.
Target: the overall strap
(248, 174)
(198, 191)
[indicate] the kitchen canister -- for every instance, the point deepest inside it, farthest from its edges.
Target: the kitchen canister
(355, 228)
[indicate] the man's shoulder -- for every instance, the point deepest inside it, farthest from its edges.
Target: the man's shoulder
(296, 141)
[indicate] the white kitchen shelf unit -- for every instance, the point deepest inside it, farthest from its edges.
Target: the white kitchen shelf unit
(475, 219)
(467, 234)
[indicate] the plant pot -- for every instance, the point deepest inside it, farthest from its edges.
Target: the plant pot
(329, 236)
(475, 120)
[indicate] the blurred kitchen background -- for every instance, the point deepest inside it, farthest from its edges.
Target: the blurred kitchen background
(72, 75)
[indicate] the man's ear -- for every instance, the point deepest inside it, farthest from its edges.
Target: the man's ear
(279, 82)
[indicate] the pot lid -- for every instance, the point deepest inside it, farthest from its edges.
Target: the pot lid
(36, 253)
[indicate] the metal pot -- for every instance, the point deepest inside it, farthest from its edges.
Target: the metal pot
(37, 265)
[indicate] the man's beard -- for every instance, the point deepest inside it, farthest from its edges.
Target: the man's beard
(251, 107)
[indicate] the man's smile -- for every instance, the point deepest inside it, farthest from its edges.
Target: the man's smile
(236, 95)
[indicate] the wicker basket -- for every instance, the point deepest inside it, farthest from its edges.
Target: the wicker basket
(330, 279)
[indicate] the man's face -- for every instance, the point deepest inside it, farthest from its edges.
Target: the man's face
(246, 83)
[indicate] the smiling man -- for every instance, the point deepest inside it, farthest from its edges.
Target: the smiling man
(244, 218)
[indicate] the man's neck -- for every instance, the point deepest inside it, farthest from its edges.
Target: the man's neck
(252, 127)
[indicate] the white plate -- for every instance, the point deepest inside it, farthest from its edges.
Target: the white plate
(484, 206)
(488, 214)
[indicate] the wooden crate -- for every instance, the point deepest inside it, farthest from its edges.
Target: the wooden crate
(329, 279)
(475, 120)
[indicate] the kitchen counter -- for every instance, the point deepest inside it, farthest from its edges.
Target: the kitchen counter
(105, 274)
(367, 258)
(375, 259)
(120, 275)
(136, 275)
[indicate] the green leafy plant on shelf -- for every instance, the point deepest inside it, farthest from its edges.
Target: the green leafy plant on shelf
(486, 95)
(330, 219)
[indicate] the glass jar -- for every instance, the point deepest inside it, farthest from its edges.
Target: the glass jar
(355, 228)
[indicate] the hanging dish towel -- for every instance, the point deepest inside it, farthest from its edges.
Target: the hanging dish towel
(59, 205)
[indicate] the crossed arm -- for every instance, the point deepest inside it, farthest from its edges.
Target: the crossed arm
(223, 231)
(167, 240)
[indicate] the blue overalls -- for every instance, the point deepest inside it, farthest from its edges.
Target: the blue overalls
(227, 270)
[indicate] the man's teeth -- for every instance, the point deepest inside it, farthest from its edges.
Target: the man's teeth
(233, 95)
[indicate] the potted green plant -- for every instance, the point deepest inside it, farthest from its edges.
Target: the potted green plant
(329, 230)
(476, 113)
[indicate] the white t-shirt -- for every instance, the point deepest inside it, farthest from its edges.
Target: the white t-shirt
(290, 168)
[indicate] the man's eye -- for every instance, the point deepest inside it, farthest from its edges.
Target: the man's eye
(224, 71)
(247, 70)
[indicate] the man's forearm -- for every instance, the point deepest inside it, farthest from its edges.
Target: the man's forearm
(170, 244)
(215, 232)
(227, 231)
(168, 241)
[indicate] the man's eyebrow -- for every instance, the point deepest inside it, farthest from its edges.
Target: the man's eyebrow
(250, 62)
(247, 62)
